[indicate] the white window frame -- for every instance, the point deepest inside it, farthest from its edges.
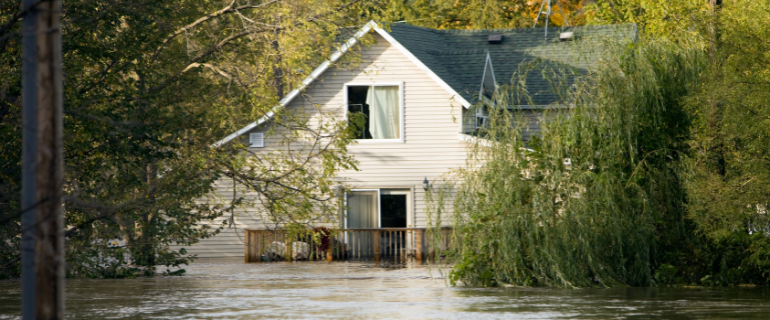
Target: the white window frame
(251, 140)
(480, 115)
(400, 106)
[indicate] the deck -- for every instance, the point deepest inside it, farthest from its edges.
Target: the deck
(392, 244)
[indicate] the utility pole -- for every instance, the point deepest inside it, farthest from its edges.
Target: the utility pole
(42, 162)
(714, 116)
(548, 12)
(715, 5)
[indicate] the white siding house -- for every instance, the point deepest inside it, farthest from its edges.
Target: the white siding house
(436, 74)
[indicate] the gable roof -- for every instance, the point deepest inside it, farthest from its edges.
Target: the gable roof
(459, 56)
(305, 83)
(456, 59)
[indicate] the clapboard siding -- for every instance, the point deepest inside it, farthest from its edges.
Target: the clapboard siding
(432, 123)
(431, 146)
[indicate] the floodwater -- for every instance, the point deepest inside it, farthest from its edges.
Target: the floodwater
(316, 290)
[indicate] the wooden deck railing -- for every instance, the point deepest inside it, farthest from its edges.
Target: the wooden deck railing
(395, 244)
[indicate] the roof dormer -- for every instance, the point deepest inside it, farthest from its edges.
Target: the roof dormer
(488, 81)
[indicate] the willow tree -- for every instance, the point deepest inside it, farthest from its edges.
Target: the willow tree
(589, 201)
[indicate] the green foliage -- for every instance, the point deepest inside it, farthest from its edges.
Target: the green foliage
(654, 17)
(149, 87)
(729, 168)
(730, 165)
(738, 258)
(474, 14)
(592, 199)
(303, 192)
(10, 149)
(676, 192)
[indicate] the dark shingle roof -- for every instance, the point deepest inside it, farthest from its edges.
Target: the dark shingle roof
(458, 56)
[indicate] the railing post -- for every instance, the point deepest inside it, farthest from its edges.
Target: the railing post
(377, 245)
(248, 244)
(259, 240)
(288, 247)
(418, 245)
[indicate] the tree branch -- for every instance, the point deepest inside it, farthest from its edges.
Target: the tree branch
(11, 263)
(216, 70)
(221, 44)
(227, 9)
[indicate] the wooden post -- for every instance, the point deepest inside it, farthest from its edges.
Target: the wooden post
(418, 245)
(377, 245)
(288, 247)
(246, 246)
(329, 247)
(259, 244)
(42, 240)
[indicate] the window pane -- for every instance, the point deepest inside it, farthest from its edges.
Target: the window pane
(384, 117)
(357, 106)
(362, 209)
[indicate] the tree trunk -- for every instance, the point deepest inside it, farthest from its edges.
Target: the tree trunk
(147, 248)
(42, 190)
(715, 114)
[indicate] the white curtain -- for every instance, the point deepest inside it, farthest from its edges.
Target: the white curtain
(384, 117)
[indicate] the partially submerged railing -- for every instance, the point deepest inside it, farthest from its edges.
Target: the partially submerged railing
(396, 244)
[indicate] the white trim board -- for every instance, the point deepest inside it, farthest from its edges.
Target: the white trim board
(371, 25)
(487, 63)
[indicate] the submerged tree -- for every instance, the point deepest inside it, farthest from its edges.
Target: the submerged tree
(590, 200)
(149, 87)
(731, 161)
(729, 180)
(292, 185)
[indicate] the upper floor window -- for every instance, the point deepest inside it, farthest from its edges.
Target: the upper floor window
(381, 107)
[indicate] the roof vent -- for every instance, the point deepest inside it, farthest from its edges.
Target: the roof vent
(495, 39)
(566, 36)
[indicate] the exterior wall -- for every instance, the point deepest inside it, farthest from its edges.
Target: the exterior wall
(431, 146)
(534, 119)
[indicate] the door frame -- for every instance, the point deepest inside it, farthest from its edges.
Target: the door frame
(408, 191)
(409, 203)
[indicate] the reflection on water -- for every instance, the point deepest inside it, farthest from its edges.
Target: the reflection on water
(311, 290)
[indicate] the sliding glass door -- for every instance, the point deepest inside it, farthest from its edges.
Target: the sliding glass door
(363, 209)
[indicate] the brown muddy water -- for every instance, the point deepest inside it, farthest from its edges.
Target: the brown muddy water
(347, 290)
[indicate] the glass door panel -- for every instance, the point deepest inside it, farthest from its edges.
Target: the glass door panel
(362, 210)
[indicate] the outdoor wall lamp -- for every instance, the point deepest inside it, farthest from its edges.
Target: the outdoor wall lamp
(425, 184)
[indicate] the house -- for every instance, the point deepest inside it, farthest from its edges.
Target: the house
(417, 87)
